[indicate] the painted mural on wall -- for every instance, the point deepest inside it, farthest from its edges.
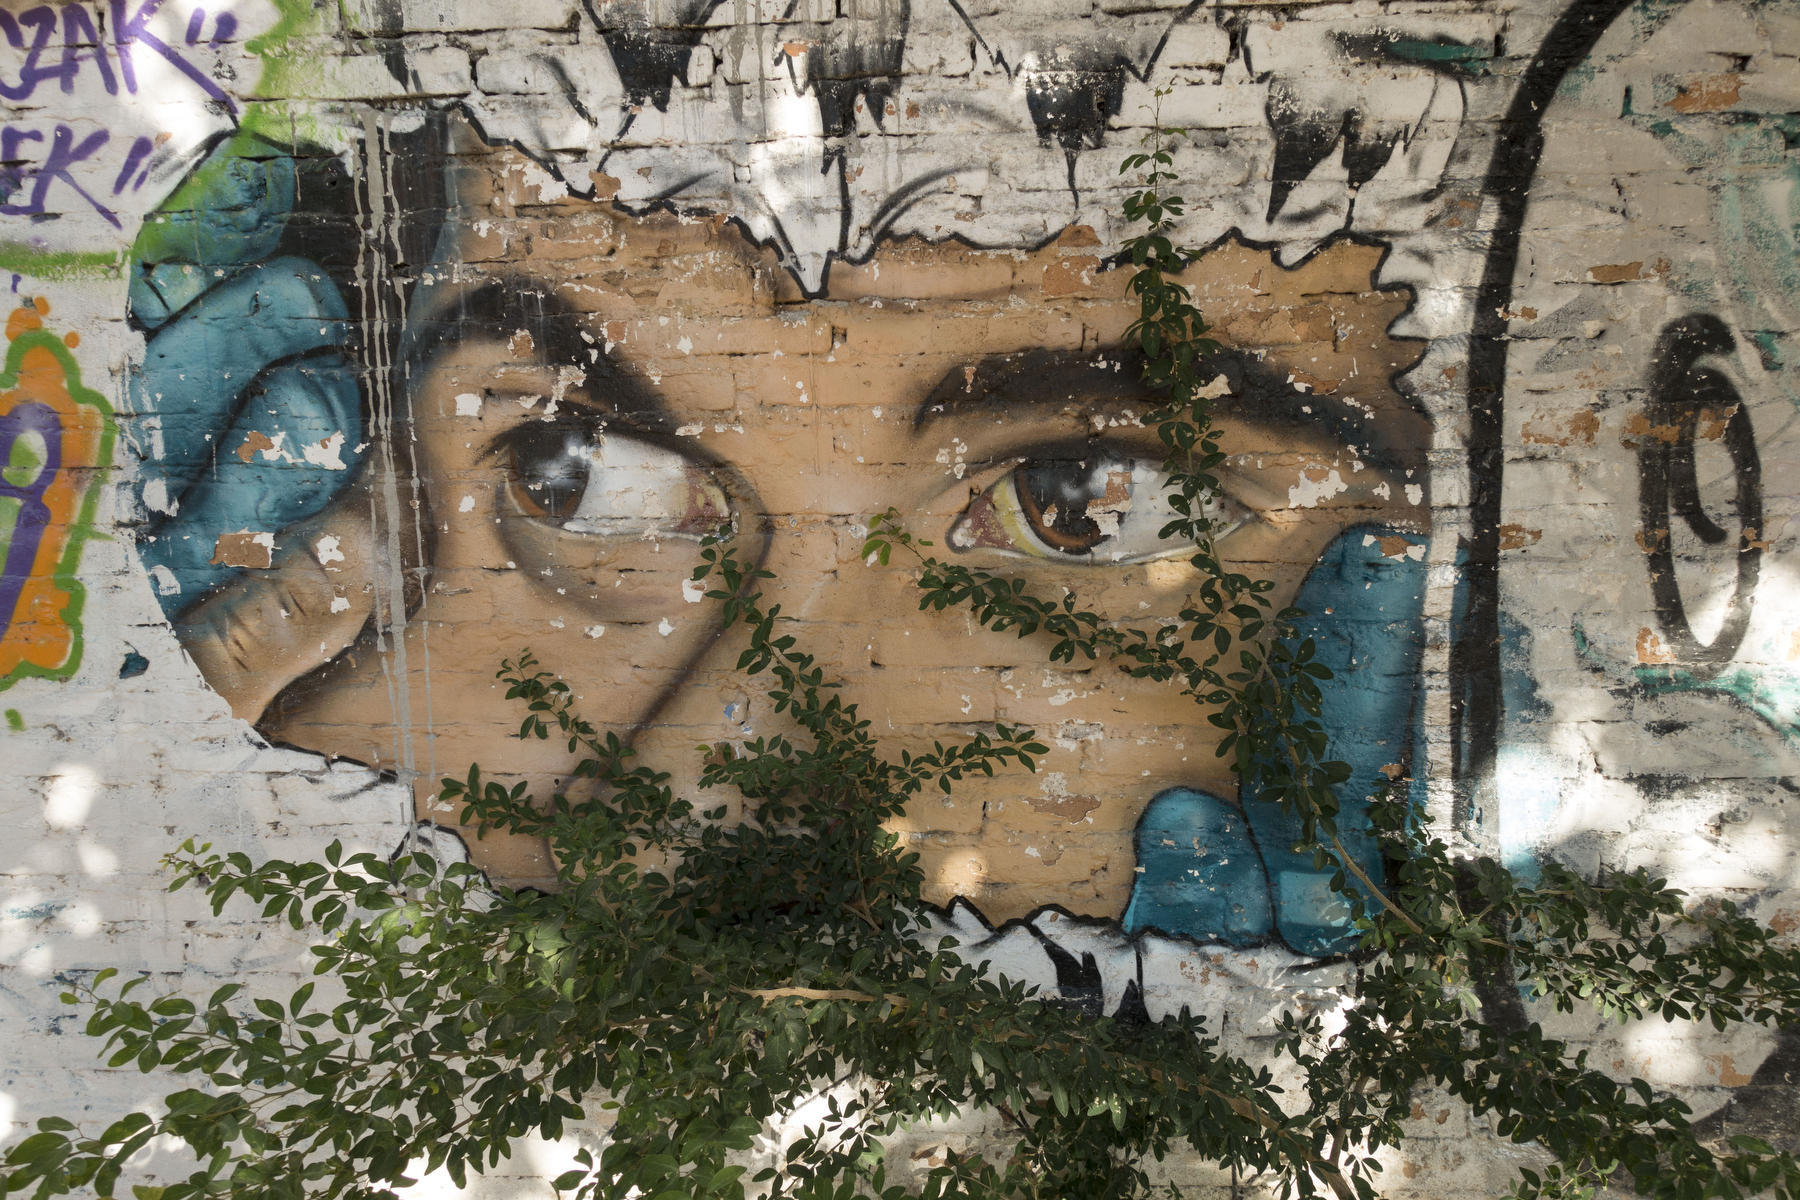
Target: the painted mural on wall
(450, 341)
(426, 403)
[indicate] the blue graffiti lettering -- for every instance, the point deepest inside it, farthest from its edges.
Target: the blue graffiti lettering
(65, 153)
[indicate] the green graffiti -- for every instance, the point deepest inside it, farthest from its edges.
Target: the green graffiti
(1471, 59)
(1775, 699)
(295, 17)
(1751, 163)
(14, 720)
(288, 71)
(59, 264)
(1771, 693)
(56, 439)
(221, 215)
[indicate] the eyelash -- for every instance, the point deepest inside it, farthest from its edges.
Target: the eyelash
(1076, 506)
(1087, 510)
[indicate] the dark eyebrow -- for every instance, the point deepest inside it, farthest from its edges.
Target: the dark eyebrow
(497, 309)
(1081, 382)
(1072, 381)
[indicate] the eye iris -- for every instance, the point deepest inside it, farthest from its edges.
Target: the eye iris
(550, 471)
(1055, 499)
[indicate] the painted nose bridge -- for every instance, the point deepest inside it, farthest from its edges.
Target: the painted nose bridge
(807, 558)
(711, 700)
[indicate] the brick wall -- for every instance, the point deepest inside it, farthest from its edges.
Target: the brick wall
(354, 350)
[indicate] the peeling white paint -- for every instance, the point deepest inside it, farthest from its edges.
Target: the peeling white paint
(327, 453)
(549, 187)
(1415, 494)
(328, 550)
(693, 591)
(1309, 493)
(665, 627)
(468, 404)
(157, 498)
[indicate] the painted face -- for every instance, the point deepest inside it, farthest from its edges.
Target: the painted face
(591, 394)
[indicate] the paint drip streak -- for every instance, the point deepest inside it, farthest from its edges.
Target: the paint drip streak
(374, 254)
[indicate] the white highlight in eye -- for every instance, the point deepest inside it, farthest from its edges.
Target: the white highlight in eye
(635, 489)
(1119, 505)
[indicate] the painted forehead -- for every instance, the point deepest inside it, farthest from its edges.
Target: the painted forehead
(536, 323)
(825, 128)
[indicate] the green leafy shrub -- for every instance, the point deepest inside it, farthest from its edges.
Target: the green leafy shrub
(696, 981)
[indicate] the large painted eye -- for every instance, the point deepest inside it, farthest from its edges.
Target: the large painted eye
(1098, 509)
(610, 485)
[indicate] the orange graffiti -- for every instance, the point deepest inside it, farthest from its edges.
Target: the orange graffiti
(55, 441)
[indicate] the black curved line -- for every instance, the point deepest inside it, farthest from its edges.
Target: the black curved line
(900, 200)
(568, 88)
(1476, 707)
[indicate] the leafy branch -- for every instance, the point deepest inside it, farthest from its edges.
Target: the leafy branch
(759, 1005)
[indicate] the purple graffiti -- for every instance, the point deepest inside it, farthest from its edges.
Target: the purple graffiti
(25, 185)
(140, 149)
(32, 515)
(44, 57)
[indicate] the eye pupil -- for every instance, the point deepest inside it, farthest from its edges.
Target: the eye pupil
(1054, 499)
(551, 468)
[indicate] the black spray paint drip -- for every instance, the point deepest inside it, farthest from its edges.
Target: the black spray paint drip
(651, 51)
(856, 58)
(1306, 133)
(1078, 982)
(1304, 137)
(1071, 106)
